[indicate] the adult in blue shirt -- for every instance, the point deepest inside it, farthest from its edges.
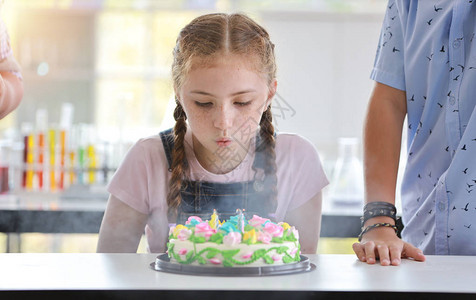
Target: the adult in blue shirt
(425, 70)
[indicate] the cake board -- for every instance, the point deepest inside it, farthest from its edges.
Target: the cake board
(163, 264)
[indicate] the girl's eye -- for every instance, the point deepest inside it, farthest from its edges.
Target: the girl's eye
(239, 103)
(203, 104)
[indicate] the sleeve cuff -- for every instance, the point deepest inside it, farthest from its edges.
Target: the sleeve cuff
(392, 80)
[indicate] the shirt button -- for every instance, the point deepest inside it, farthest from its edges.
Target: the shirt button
(456, 44)
(441, 206)
(452, 100)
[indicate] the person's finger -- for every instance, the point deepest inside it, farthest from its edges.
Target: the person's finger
(359, 251)
(395, 255)
(383, 254)
(370, 252)
(413, 252)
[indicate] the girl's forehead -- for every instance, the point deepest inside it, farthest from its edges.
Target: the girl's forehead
(225, 69)
(224, 73)
(228, 60)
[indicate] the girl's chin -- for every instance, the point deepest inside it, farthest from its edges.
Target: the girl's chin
(225, 149)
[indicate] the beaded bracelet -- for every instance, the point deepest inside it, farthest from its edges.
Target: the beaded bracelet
(376, 225)
(377, 209)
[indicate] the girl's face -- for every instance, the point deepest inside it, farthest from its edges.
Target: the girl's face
(224, 104)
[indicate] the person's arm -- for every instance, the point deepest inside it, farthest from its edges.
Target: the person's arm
(11, 92)
(382, 142)
(121, 228)
(307, 220)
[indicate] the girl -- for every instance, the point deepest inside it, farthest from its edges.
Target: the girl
(223, 152)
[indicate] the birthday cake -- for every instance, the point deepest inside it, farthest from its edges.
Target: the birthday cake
(235, 242)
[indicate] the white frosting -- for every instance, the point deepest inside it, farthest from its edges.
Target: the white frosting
(182, 248)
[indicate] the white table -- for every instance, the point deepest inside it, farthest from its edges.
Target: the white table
(129, 275)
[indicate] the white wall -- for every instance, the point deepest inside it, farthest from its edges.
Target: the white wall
(324, 63)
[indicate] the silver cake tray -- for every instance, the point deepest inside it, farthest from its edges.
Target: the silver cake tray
(163, 264)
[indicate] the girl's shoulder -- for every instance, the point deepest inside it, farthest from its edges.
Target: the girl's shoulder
(294, 149)
(149, 148)
(149, 143)
(292, 141)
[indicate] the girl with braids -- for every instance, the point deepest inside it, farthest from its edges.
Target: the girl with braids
(223, 152)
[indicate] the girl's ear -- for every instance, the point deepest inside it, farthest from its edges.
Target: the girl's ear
(272, 91)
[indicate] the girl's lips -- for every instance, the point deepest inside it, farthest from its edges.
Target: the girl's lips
(223, 142)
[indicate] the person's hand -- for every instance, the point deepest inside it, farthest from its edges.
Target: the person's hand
(383, 244)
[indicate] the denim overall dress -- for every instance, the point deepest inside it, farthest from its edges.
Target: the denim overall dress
(199, 198)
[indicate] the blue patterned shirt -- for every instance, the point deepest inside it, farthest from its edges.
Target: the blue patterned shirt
(428, 49)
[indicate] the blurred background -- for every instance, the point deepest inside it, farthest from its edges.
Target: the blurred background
(97, 78)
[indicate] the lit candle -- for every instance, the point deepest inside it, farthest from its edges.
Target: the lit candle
(214, 222)
(241, 221)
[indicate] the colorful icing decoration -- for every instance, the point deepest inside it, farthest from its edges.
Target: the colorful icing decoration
(249, 237)
(232, 239)
(193, 221)
(284, 225)
(264, 237)
(274, 229)
(215, 261)
(257, 221)
(234, 242)
(204, 230)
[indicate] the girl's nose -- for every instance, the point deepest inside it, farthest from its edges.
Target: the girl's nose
(224, 118)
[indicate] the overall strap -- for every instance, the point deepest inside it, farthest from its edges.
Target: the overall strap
(167, 138)
(259, 160)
